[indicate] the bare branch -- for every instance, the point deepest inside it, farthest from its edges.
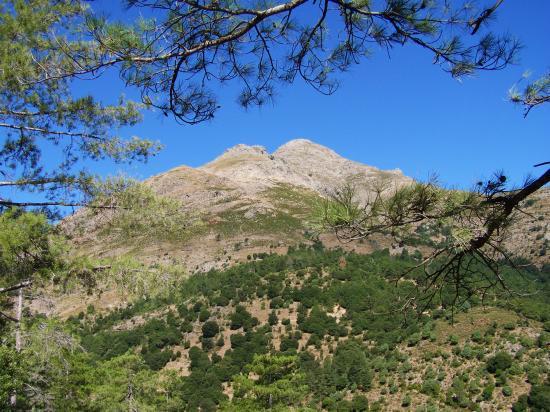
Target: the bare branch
(17, 286)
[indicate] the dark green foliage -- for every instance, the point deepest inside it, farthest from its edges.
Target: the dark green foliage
(359, 403)
(279, 384)
(350, 366)
(241, 318)
(521, 404)
(539, 398)
(272, 319)
(243, 348)
(221, 301)
(288, 344)
(487, 393)
(207, 344)
(198, 358)
(277, 303)
(499, 363)
(204, 314)
(202, 390)
(430, 387)
(154, 335)
(320, 324)
(414, 339)
(158, 333)
(156, 359)
(110, 344)
(210, 329)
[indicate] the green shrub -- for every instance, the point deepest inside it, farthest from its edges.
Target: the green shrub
(242, 318)
(156, 359)
(521, 404)
(500, 362)
(509, 326)
(453, 340)
(414, 339)
(288, 344)
(431, 388)
(539, 398)
(543, 339)
(359, 403)
(272, 319)
(487, 393)
(207, 344)
(204, 314)
(210, 329)
(477, 337)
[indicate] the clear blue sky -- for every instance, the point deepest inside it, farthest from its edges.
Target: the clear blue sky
(399, 112)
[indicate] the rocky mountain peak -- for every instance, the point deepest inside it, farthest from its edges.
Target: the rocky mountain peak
(306, 149)
(238, 153)
(299, 162)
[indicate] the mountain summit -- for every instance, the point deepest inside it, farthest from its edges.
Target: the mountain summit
(299, 162)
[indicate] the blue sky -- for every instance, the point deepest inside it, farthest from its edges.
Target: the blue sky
(398, 112)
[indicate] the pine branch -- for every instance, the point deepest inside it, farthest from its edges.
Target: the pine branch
(17, 286)
(9, 203)
(52, 132)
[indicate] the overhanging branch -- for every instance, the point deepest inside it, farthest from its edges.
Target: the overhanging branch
(17, 286)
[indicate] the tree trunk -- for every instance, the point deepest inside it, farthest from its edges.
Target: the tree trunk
(18, 344)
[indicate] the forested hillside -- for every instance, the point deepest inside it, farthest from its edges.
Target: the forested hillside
(313, 329)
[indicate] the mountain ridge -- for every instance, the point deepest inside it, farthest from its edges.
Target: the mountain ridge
(267, 199)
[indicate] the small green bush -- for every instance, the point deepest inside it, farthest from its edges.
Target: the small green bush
(210, 329)
(500, 362)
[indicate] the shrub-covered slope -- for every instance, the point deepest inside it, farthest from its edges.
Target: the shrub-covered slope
(317, 329)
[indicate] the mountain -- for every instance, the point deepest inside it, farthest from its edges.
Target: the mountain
(299, 163)
(248, 174)
(249, 201)
(245, 201)
(234, 304)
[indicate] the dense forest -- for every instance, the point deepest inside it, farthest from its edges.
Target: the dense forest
(312, 329)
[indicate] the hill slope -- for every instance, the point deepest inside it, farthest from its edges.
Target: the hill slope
(334, 320)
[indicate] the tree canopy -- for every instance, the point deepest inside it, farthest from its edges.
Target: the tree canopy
(42, 44)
